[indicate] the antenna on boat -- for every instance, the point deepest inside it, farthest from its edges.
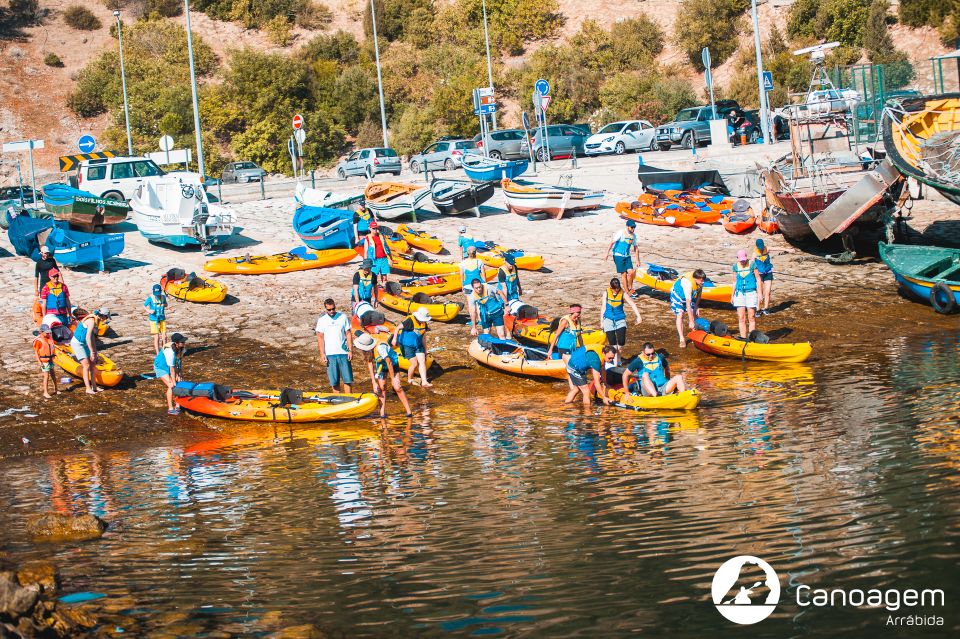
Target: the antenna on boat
(818, 54)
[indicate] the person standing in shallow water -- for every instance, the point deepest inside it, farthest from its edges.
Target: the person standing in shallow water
(383, 364)
(746, 280)
(335, 343)
(167, 365)
(764, 268)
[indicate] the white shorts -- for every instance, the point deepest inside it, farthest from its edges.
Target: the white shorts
(609, 325)
(748, 299)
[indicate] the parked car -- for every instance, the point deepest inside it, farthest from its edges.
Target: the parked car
(115, 178)
(447, 154)
(503, 144)
(562, 140)
(369, 162)
(241, 172)
(691, 127)
(11, 195)
(620, 137)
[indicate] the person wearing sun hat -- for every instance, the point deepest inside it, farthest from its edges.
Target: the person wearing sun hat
(764, 268)
(745, 288)
(44, 264)
(383, 364)
(156, 306)
(409, 336)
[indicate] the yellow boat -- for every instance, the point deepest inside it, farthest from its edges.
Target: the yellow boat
(523, 261)
(513, 357)
(687, 400)
(438, 284)
(733, 347)
(195, 289)
(420, 264)
(383, 333)
(394, 298)
(265, 406)
(299, 259)
(107, 373)
(420, 239)
(662, 279)
(533, 328)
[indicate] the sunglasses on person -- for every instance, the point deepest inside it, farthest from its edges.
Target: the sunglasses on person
(649, 353)
(331, 311)
(55, 277)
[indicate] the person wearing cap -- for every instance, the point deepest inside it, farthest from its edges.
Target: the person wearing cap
(745, 288)
(156, 306)
(365, 284)
(685, 300)
(374, 248)
(84, 347)
(623, 245)
(167, 365)
(43, 349)
(613, 317)
(383, 364)
(335, 343)
(471, 269)
(409, 336)
(490, 303)
(764, 268)
(44, 264)
(509, 280)
(464, 242)
(55, 299)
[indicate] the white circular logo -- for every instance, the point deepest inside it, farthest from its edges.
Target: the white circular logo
(738, 589)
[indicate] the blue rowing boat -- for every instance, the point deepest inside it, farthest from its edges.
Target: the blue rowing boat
(928, 273)
(481, 170)
(324, 228)
(70, 248)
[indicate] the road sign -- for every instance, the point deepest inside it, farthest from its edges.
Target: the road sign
(525, 119)
(172, 156)
(86, 143)
(705, 58)
(298, 122)
(544, 102)
(25, 145)
(767, 81)
(166, 143)
(542, 87)
(300, 135)
(70, 162)
(485, 109)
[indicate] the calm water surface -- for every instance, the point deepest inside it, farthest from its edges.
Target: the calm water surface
(506, 515)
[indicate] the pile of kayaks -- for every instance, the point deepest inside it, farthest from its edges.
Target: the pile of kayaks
(685, 209)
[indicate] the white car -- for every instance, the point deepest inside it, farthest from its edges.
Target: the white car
(620, 137)
(825, 101)
(116, 178)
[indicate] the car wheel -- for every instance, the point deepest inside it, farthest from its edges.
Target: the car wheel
(341, 174)
(369, 172)
(689, 140)
(449, 165)
(542, 155)
(415, 167)
(619, 148)
(653, 145)
(663, 147)
(113, 195)
(496, 155)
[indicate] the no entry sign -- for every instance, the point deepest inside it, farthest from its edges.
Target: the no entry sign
(298, 122)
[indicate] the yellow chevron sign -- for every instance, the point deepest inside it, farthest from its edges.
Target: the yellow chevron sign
(70, 162)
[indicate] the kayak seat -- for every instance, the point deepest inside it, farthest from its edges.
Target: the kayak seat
(393, 288)
(527, 312)
(176, 274)
(420, 257)
(496, 345)
(301, 251)
(290, 396)
(422, 298)
(614, 376)
(372, 318)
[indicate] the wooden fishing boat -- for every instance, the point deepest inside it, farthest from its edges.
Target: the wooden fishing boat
(390, 200)
(921, 136)
(928, 273)
(82, 210)
(481, 169)
(323, 228)
(305, 196)
(459, 196)
(70, 248)
(555, 201)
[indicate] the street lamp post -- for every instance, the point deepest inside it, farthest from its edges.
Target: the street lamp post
(376, 53)
(123, 81)
(193, 86)
(764, 107)
(486, 38)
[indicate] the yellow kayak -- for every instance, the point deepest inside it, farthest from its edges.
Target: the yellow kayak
(537, 330)
(733, 347)
(299, 259)
(264, 406)
(196, 289)
(420, 264)
(687, 400)
(523, 261)
(420, 239)
(438, 284)
(383, 333)
(662, 279)
(107, 373)
(394, 298)
(513, 357)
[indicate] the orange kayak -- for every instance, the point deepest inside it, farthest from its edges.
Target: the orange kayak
(739, 222)
(767, 223)
(657, 217)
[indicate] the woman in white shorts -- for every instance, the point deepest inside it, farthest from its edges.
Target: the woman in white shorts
(745, 293)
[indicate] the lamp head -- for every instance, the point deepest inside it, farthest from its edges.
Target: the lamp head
(116, 14)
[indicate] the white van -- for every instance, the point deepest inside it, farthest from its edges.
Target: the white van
(115, 178)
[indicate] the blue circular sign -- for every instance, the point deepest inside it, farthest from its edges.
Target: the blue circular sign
(86, 143)
(542, 87)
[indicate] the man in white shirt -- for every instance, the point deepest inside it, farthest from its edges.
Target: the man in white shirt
(335, 343)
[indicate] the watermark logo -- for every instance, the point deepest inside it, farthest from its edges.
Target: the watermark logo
(745, 589)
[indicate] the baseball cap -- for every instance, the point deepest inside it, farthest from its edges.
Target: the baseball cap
(760, 244)
(463, 229)
(510, 259)
(631, 224)
(742, 255)
(178, 338)
(157, 289)
(53, 271)
(422, 315)
(367, 263)
(44, 328)
(374, 224)
(364, 341)
(102, 312)
(45, 249)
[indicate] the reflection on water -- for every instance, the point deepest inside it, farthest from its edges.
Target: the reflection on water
(507, 515)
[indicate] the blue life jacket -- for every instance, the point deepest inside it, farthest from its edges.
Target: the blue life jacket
(583, 360)
(572, 336)
(762, 262)
(413, 338)
(746, 282)
(380, 362)
(677, 295)
(365, 287)
(157, 306)
(623, 244)
(471, 272)
(464, 243)
(510, 285)
(56, 302)
(614, 309)
(80, 333)
(653, 367)
(160, 366)
(489, 305)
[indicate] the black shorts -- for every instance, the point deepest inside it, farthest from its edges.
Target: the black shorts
(617, 337)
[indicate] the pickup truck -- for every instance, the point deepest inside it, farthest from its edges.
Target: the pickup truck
(691, 127)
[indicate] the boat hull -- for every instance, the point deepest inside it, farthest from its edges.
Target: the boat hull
(468, 198)
(70, 248)
(481, 170)
(323, 228)
(918, 269)
(554, 201)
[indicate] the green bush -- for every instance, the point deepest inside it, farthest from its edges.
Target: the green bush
(53, 60)
(81, 18)
(313, 15)
(839, 20)
(716, 24)
(251, 14)
(340, 46)
(278, 31)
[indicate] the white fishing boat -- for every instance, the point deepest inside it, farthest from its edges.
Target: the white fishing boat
(174, 209)
(303, 195)
(528, 197)
(390, 200)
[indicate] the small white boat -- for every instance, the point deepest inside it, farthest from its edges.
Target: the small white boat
(391, 200)
(174, 209)
(305, 196)
(554, 201)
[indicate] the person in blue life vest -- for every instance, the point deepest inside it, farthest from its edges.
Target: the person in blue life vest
(84, 347)
(55, 299)
(651, 371)
(374, 248)
(508, 279)
(409, 336)
(685, 300)
(383, 364)
(167, 365)
(585, 372)
(567, 336)
(471, 269)
(490, 307)
(464, 242)
(613, 317)
(365, 284)
(763, 265)
(623, 247)
(745, 285)
(156, 306)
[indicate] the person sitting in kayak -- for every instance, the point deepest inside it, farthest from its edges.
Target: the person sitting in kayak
(166, 367)
(490, 304)
(745, 293)
(375, 249)
(613, 318)
(764, 268)
(652, 373)
(567, 336)
(585, 374)
(156, 306)
(409, 336)
(624, 243)
(43, 348)
(84, 347)
(365, 284)
(55, 299)
(471, 269)
(509, 280)
(383, 364)
(685, 300)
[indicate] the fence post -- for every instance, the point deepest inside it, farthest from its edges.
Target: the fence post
(574, 163)
(313, 179)
(219, 190)
(263, 193)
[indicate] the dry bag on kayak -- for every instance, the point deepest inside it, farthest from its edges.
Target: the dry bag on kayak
(209, 390)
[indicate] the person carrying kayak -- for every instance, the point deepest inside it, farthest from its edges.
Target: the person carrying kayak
(471, 269)
(745, 293)
(685, 300)
(55, 300)
(43, 267)
(43, 349)
(167, 365)
(84, 347)
(383, 364)
(509, 279)
(365, 284)
(374, 248)
(490, 304)
(585, 373)
(156, 306)
(409, 336)
(764, 268)
(652, 373)
(613, 318)
(624, 243)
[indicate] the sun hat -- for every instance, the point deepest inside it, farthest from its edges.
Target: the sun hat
(740, 206)
(53, 271)
(102, 312)
(178, 338)
(157, 289)
(45, 249)
(742, 255)
(44, 328)
(367, 263)
(760, 244)
(422, 315)
(365, 342)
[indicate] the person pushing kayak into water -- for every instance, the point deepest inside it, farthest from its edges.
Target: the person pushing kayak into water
(409, 336)
(156, 306)
(764, 268)
(43, 348)
(383, 364)
(613, 318)
(167, 365)
(624, 243)
(84, 347)
(365, 284)
(490, 304)
(585, 373)
(471, 269)
(376, 250)
(746, 282)
(685, 300)
(652, 373)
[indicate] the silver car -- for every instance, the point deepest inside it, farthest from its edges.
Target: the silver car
(445, 154)
(369, 162)
(241, 172)
(503, 144)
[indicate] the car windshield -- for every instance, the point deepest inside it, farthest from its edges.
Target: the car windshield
(386, 153)
(245, 165)
(467, 145)
(687, 115)
(612, 128)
